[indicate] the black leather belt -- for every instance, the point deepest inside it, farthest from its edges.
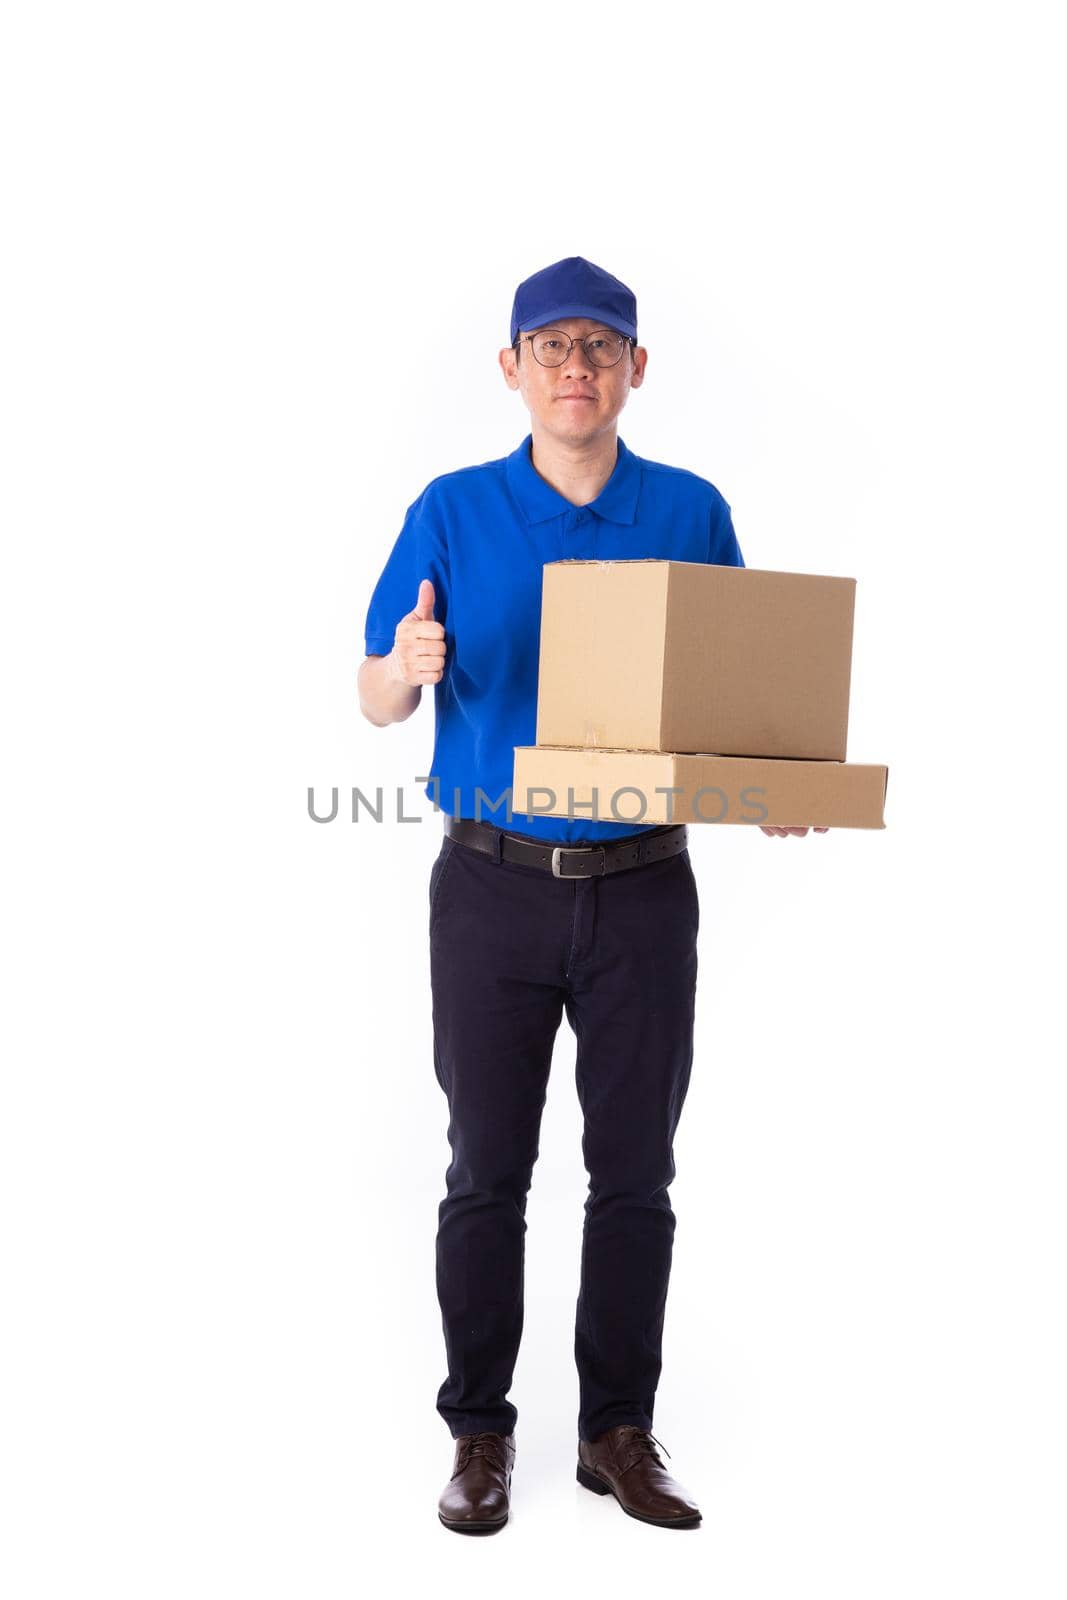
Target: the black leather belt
(570, 861)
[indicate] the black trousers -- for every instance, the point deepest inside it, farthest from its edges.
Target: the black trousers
(511, 949)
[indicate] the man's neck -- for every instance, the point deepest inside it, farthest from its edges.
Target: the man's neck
(577, 472)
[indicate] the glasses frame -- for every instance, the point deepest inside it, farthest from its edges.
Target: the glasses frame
(600, 365)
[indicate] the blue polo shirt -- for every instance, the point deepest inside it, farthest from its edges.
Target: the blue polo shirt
(482, 535)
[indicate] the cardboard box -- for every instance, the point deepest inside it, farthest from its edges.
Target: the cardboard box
(682, 656)
(712, 788)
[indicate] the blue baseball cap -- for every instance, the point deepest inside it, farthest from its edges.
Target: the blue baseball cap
(573, 287)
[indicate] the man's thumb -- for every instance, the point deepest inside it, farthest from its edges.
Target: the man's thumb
(424, 604)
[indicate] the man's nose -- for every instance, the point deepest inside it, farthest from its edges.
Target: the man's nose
(578, 361)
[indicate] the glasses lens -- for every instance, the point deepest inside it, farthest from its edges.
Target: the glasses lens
(549, 348)
(604, 348)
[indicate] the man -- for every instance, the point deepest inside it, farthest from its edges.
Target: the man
(604, 929)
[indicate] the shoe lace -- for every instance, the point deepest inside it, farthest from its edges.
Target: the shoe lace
(643, 1443)
(488, 1445)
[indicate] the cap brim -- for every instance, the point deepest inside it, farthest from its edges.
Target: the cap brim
(570, 309)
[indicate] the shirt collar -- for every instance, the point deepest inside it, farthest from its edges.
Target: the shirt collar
(617, 500)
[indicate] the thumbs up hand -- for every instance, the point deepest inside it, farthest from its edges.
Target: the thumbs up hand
(418, 653)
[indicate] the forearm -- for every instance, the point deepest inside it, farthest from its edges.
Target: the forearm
(384, 698)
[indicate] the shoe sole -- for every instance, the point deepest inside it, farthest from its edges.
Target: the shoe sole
(473, 1527)
(589, 1480)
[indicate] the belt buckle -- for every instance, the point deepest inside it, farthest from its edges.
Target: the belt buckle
(577, 850)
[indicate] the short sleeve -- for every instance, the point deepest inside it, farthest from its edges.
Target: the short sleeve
(419, 551)
(723, 548)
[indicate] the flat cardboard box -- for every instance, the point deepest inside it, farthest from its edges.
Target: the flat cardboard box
(683, 656)
(559, 781)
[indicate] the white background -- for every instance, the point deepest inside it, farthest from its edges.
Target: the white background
(259, 263)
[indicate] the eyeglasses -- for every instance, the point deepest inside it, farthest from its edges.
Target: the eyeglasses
(551, 347)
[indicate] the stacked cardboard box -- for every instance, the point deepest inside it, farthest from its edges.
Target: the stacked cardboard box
(675, 691)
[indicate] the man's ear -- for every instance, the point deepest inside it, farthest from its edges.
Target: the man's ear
(640, 361)
(509, 367)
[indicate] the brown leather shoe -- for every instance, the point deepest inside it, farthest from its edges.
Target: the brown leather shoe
(477, 1497)
(624, 1462)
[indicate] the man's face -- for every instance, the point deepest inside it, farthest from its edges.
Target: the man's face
(577, 401)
